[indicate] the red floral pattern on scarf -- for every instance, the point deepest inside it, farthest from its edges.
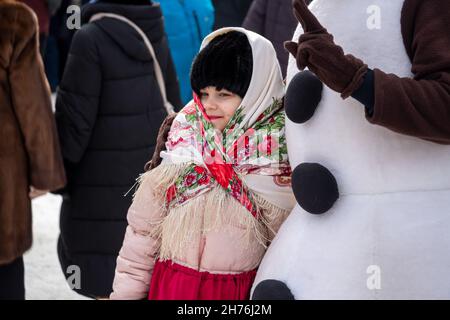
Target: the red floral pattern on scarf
(225, 157)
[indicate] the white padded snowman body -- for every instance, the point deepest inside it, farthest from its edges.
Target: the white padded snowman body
(388, 235)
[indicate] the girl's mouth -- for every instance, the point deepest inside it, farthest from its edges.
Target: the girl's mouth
(215, 117)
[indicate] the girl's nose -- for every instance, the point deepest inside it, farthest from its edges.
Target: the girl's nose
(210, 105)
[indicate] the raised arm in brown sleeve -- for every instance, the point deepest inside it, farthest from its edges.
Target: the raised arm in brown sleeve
(419, 107)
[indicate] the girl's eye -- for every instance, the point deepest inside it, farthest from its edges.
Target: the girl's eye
(203, 94)
(222, 94)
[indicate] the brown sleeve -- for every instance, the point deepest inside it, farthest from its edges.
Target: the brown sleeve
(31, 101)
(419, 107)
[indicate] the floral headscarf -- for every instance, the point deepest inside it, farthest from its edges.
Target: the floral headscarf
(250, 155)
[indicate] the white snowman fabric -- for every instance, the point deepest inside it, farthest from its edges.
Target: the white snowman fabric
(373, 213)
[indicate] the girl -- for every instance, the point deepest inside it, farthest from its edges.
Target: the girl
(201, 221)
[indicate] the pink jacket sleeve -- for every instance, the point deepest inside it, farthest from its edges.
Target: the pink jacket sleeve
(137, 255)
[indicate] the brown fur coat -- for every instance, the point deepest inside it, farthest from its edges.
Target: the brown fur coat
(29, 149)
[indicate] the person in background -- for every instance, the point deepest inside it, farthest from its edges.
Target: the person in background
(274, 20)
(65, 35)
(52, 53)
(186, 23)
(230, 13)
(108, 112)
(30, 159)
(58, 41)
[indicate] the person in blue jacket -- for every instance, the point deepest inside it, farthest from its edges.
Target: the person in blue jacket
(187, 22)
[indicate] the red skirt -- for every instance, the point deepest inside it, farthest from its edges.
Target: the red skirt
(171, 281)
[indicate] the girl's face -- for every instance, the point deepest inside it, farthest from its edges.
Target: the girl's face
(219, 105)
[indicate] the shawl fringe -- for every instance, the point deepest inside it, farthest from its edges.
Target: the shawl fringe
(184, 225)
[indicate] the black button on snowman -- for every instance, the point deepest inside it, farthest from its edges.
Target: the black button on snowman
(314, 186)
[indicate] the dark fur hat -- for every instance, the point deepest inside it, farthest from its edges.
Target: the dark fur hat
(225, 63)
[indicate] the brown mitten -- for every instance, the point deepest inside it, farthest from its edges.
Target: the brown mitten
(317, 51)
(160, 142)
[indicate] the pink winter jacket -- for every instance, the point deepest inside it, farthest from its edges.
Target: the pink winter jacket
(216, 252)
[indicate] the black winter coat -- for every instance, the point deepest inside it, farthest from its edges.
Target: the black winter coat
(108, 112)
(275, 20)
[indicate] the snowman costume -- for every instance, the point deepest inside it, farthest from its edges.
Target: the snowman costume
(387, 236)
